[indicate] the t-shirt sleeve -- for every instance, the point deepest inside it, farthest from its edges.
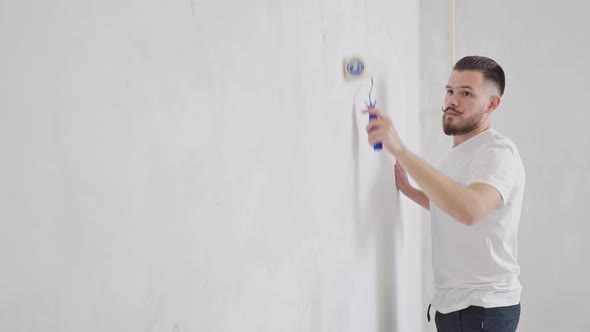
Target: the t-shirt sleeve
(497, 165)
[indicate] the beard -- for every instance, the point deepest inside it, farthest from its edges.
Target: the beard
(469, 124)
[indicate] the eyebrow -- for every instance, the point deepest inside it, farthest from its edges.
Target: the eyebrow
(460, 87)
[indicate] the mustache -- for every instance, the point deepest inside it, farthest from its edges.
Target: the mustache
(445, 110)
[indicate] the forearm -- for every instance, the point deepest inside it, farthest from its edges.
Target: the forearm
(452, 197)
(418, 197)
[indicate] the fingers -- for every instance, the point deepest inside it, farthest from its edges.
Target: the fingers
(380, 128)
(377, 136)
(399, 178)
(399, 170)
(375, 124)
(373, 140)
(375, 111)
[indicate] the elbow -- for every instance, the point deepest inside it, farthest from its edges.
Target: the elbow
(470, 220)
(471, 217)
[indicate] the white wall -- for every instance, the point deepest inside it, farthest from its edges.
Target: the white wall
(196, 166)
(543, 47)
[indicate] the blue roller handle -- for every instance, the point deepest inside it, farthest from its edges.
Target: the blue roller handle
(377, 146)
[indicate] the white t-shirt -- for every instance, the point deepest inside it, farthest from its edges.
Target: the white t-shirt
(476, 265)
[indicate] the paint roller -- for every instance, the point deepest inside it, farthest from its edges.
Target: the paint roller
(360, 68)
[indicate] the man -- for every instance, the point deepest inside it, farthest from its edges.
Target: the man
(475, 202)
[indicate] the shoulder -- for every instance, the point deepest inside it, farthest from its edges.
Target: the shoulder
(496, 142)
(499, 151)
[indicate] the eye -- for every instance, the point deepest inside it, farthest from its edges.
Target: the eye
(449, 92)
(466, 93)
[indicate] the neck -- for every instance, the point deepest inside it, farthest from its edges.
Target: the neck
(458, 139)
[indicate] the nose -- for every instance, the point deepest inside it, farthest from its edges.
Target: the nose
(452, 101)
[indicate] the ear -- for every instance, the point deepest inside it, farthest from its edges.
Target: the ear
(493, 103)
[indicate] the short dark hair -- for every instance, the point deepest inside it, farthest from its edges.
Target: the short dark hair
(489, 68)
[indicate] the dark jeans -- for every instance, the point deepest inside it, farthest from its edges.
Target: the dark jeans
(471, 319)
